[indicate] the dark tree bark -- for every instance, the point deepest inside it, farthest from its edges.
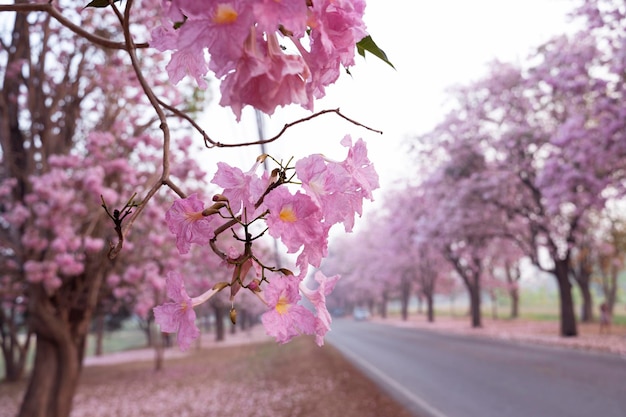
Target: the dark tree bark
(581, 267)
(383, 305)
(513, 275)
(99, 330)
(430, 308)
(61, 325)
(568, 324)
(219, 312)
(470, 270)
(405, 294)
(14, 351)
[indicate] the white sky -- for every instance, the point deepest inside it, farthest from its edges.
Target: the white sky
(434, 44)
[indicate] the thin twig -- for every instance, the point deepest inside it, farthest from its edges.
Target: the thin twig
(54, 12)
(130, 48)
(210, 143)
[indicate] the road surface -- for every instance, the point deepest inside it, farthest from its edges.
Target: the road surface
(438, 375)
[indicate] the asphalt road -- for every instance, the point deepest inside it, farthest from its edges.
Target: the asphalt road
(437, 375)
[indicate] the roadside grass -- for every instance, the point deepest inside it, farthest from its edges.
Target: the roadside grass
(256, 380)
(128, 337)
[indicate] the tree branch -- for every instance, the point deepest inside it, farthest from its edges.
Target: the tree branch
(54, 12)
(210, 143)
(164, 179)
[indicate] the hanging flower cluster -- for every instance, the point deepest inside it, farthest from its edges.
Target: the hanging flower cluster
(251, 205)
(267, 53)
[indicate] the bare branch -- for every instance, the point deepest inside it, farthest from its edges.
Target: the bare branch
(211, 144)
(54, 12)
(164, 179)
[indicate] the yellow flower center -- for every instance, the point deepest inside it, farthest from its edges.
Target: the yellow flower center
(288, 215)
(282, 305)
(225, 14)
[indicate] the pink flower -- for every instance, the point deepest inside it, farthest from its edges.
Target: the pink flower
(360, 167)
(242, 189)
(265, 77)
(295, 219)
(318, 299)
(286, 319)
(291, 14)
(331, 187)
(178, 316)
(188, 62)
(338, 27)
(186, 221)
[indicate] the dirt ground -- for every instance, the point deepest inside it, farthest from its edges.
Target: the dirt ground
(249, 374)
(231, 379)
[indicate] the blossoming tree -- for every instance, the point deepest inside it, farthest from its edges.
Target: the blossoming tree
(62, 195)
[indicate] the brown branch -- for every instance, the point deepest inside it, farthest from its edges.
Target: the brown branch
(209, 143)
(164, 179)
(188, 118)
(174, 188)
(54, 12)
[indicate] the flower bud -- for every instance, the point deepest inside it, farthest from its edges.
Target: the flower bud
(214, 209)
(219, 197)
(274, 175)
(233, 315)
(255, 285)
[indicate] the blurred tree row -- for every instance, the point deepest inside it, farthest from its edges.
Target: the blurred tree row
(529, 165)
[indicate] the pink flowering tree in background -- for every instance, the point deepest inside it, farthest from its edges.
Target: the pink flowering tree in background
(611, 260)
(420, 257)
(88, 142)
(543, 152)
(503, 269)
(459, 225)
(362, 284)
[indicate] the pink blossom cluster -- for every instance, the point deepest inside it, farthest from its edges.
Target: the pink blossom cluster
(267, 53)
(331, 192)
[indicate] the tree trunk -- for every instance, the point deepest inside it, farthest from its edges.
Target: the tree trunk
(60, 325)
(587, 307)
(420, 303)
(581, 268)
(514, 294)
(14, 352)
(218, 310)
(243, 319)
(609, 287)
(159, 351)
(513, 275)
(55, 375)
(405, 296)
(568, 326)
(99, 334)
(474, 293)
(383, 305)
(430, 305)
(494, 304)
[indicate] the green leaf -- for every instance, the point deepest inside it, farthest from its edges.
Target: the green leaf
(368, 44)
(178, 25)
(99, 3)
